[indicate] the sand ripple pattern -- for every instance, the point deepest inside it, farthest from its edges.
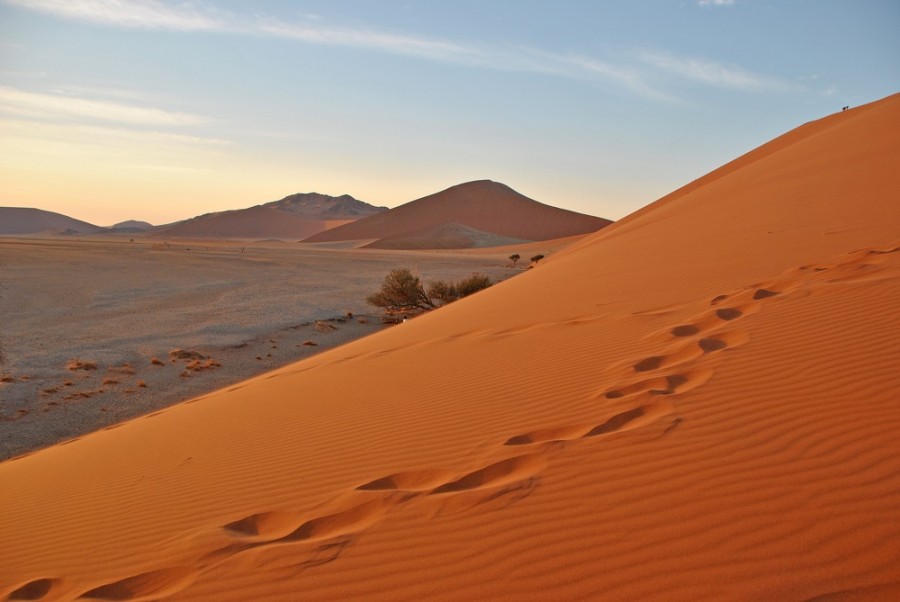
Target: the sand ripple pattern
(679, 359)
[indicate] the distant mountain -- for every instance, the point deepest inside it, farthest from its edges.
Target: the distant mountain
(482, 206)
(322, 206)
(293, 217)
(23, 220)
(131, 225)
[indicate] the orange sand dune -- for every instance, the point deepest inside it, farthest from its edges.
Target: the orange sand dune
(699, 402)
(486, 206)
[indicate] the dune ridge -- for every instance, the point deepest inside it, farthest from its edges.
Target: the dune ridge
(697, 402)
(483, 206)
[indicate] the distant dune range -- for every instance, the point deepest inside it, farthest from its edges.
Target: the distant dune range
(473, 215)
(699, 402)
(24, 220)
(481, 213)
(293, 217)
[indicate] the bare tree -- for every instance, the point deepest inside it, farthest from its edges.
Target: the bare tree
(515, 257)
(401, 290)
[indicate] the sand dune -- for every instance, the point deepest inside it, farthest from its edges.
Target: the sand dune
(23, 220)
(484, 206)
(443, 236)
(293, 217)
(698, 402)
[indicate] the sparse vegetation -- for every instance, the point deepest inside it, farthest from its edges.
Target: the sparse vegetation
(514, 258)
(402, 291)
(536, 258)
(76, 364)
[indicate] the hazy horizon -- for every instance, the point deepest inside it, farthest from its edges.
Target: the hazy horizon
(161, 111)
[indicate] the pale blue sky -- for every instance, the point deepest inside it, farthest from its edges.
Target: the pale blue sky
(117, 109)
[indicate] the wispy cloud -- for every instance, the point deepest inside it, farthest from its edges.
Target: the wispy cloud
(143, 14)
(643, 74)
(715, 2)
(361, 38)
(711, 73)
(55, 106)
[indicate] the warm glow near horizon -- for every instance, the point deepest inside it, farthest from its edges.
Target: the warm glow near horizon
(160, 111)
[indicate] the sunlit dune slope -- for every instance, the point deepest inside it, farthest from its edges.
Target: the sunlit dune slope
(699, 402)
(489, 207)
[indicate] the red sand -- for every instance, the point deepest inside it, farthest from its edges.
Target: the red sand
(699, 402)
(483, 205)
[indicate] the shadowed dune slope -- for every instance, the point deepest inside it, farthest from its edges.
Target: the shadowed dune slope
(24, 220)
(255, 222)
(443, 236)
(482, 205)
(698, 402)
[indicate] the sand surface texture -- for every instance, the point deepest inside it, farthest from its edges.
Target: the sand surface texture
(699, 402)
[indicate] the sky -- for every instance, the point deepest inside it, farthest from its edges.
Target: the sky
(162, 110)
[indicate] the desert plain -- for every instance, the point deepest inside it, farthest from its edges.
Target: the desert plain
(698, 402)
(98, 330)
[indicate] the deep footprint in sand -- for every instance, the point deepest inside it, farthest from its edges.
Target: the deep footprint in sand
(34, 590)
(500, 473)
(154, 584)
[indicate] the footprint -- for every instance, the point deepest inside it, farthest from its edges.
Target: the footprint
(685, 330)
(632, 419)
(146, 586)
(671, 384)
(710, 344)
(713, 320)
(345, 522)
(681, 355)
(616, 422)
(265, 525)
(423, 480)
(764, 293)
(497, 474)
(566, 433)
(729, 313)
(649, 363)
(34, 590)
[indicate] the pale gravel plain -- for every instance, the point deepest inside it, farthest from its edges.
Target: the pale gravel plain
(249, 307)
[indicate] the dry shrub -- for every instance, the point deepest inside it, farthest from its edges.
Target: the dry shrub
(310, 343)
(109, 381)
(323, 326)
(186, 354)
(157, 362)
(199, 366)
(80, 365)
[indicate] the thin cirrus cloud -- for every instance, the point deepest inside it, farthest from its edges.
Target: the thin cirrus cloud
(644, 76)
(54, 106)
(145, 14)
(711, 73)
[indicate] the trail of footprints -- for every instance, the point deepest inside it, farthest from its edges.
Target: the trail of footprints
(644, 385)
